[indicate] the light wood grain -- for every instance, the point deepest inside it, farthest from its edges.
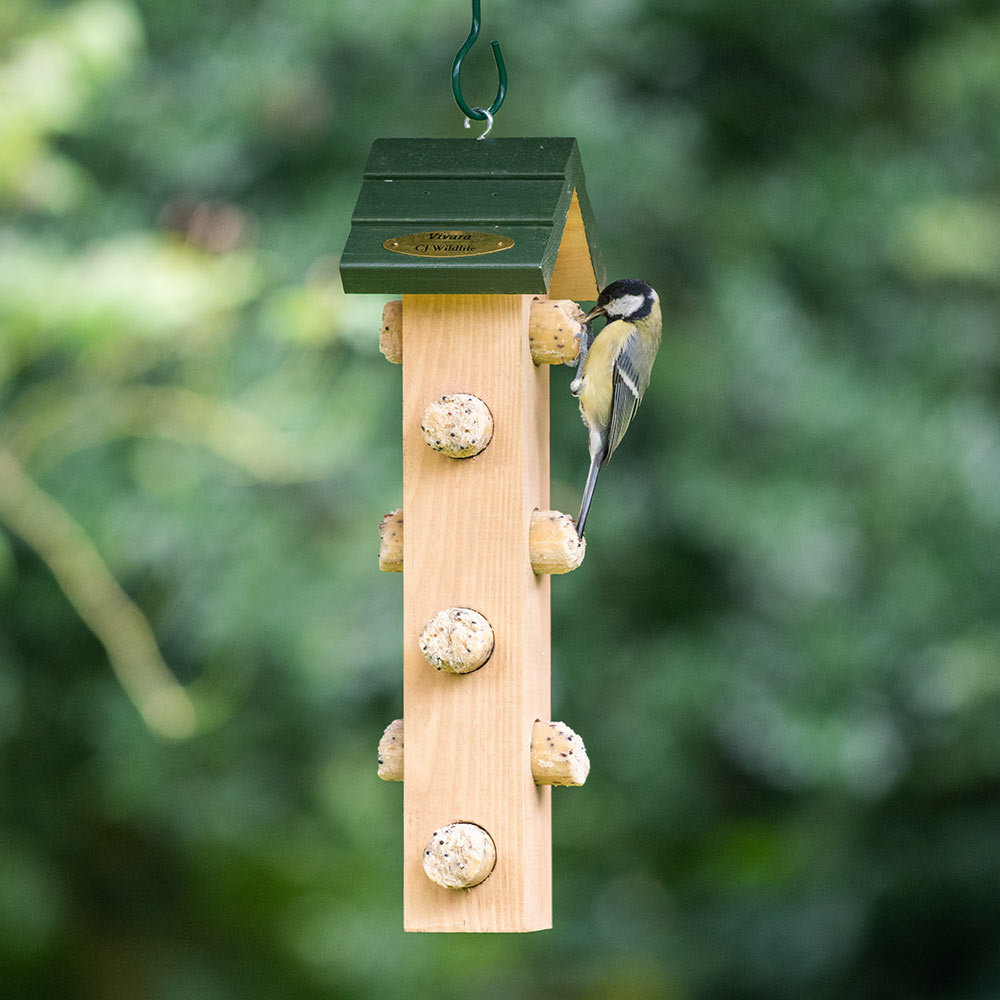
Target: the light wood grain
(553, 545)
(553, 331)
(573, 275)
(468, 737)
(558, 755)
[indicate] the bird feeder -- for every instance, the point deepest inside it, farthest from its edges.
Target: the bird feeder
(489, 243)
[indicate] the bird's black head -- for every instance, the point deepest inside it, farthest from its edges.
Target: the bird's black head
(628, 298)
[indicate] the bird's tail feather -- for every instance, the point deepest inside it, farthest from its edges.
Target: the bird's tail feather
(588, 495)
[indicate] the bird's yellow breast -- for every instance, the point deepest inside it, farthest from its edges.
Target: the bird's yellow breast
(597, 388)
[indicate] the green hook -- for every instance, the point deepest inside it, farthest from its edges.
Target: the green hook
(479, 114)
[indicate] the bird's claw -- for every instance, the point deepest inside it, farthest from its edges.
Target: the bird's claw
(582, 340)
(578, 339)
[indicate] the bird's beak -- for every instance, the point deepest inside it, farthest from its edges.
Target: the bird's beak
(596, 311)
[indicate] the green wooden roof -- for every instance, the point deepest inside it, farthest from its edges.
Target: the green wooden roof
(530, 191)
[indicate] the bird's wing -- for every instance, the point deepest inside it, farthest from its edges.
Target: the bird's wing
(626, 393)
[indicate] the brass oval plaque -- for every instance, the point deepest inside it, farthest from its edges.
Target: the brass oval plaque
(448, 243)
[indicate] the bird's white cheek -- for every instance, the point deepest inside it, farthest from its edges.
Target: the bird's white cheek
(625, 305)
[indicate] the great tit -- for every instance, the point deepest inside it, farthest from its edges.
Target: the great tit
(614, 369)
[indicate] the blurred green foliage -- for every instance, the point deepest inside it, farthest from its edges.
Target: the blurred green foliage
(783, 649)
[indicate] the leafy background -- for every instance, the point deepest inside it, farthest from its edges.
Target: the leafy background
(783, 649)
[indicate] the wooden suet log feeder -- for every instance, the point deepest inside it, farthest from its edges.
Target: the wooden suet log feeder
(490, 244)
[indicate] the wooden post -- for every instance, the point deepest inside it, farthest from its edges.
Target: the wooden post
(467, 545)
(553, 544)
(558, 755)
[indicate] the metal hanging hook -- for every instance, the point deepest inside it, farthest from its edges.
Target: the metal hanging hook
(489, 123)
(479, 114)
